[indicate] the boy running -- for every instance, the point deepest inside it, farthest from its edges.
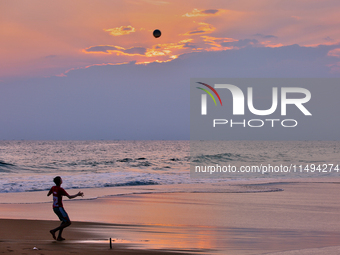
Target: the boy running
(58, 193)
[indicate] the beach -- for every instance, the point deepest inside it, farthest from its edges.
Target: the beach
(169, 127)
(280, 218)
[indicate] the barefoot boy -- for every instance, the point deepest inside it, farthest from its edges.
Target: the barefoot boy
(58, 193)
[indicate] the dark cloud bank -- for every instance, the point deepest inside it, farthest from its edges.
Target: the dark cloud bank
(139, 101)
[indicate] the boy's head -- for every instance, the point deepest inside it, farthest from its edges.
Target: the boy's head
(57, 180)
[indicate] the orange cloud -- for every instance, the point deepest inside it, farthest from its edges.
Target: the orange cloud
(216, 42)
(219, 44)
(164, 49)
(202, 13)
(64, 74)
(334, 53)
(109, 49)
(167, 48)
(123, 30)
(203, 29)
(335, 68)
(268, 44)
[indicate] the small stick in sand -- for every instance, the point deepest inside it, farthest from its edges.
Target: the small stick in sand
(110, 243)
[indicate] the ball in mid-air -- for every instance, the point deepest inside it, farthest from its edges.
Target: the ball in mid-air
(157, 33)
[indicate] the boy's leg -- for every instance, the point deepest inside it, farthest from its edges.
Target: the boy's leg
(60, 232)
(53, 234)
(65, 223)
(62, 226)
(60, 229)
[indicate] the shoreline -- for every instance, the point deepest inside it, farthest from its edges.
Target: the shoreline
(219, 186)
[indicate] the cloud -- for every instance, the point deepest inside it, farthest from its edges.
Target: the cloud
(190, 45)
(328, 39)
(210, 11)
(123, 30)
(101, 48)
(202, 13)
(334, 53)
(265, 36)
(158, 53)
(135, 50)
(110, 48)
(166, 52)
(204, 28)
(166, 49)
(240, 43)
(216, 41)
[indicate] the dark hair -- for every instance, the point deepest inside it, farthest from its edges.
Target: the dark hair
(57, 180)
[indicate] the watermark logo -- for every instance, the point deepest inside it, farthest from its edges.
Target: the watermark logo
(276, 103)
(239, 105)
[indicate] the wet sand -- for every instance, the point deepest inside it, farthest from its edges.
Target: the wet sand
(29, 237)
(302, 218)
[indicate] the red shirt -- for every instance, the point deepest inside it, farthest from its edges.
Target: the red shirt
(58, 193)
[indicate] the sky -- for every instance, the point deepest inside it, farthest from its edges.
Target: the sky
(84, 69)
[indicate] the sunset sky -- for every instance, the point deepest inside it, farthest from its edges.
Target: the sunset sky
(46, 38)
(66, 42)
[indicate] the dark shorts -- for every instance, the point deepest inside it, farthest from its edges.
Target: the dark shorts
(60, 212)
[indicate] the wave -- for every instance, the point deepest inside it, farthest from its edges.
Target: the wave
(89, 163)
(141, 164)
(5, 167)
(125, 160)
(221, 157)
(4, 164)
(132, 183)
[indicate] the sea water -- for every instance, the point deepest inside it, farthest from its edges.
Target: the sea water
(32, 165)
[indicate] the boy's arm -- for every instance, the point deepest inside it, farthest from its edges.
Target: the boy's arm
(49, 193)
(79, 194)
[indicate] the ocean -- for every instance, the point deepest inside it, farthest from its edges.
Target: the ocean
(27, 166)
